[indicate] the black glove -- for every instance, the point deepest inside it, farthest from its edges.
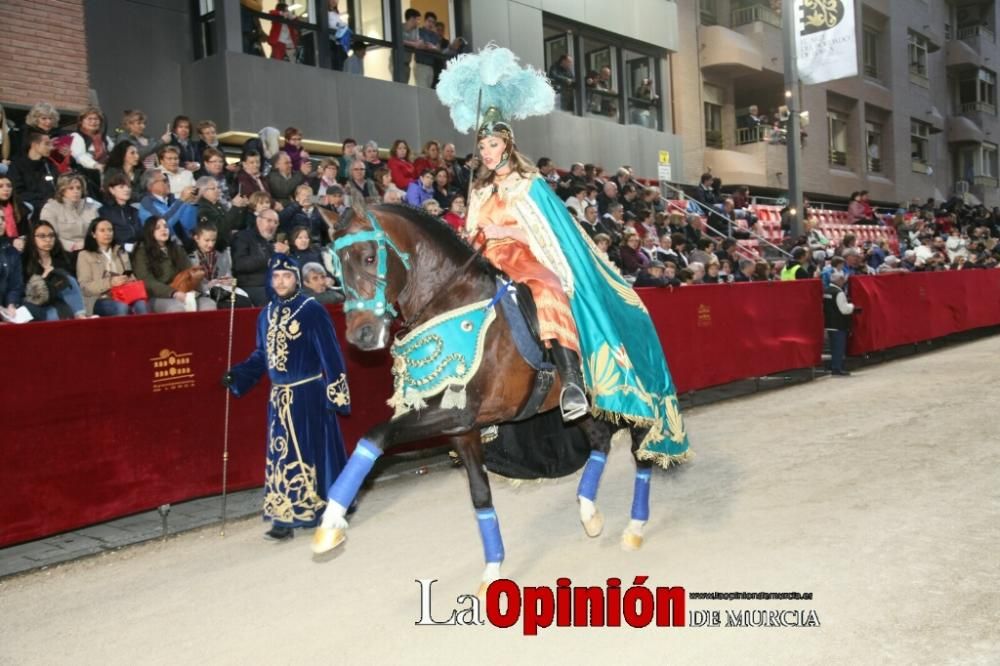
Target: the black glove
(228, 379)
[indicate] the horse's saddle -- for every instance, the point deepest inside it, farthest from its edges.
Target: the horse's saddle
(519, 310)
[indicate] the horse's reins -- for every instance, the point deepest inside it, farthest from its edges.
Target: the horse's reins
(409, 322)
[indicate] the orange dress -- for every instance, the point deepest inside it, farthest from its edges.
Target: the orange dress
(496, 228)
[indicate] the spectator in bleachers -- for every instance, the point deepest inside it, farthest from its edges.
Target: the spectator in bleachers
(892, 264)
(51, 290)
(179, 179)
(371, 159)
(218, 265)
(703, 252)
(577, 199)
(318, 284)
(208, 137)
(630, 256)
(653, 274)
(33, 175)
(359, 185)
(11, 280)
(762, 271)
(252, 249)
(608, 195)
(854, 262)
(705, 192)
(102, 265)
(430, 158)
(875, 254)
(745, 271)
(694, 230)
(69, 212)
(335, 199)
(119, 211)
(837, 312)
(213, 165)
(686, 277)
(400, 165)
(349, 149)
(713, 272)
(158, 260)
(249, 178)
(432, 207)
(180, 213)
(124, 160)
(282, 180)
(14, 215)
(327, 173)
(383, 182)
(293, 148)
(455, 217)
(133, 131)
(455, 167)
(591, 224)
(187, 148)
(303, 213)
(284, 36)
(91, 147)
(303, 248)
(857, 211)
(728, 251)
(815, 239)
(42, 119)
(226, 223)
(443, 192)
(356, 63)
(421, 189)
(836, 264)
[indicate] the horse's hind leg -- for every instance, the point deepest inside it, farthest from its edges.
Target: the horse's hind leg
(632, 536)
(470, 449)
(599, 435)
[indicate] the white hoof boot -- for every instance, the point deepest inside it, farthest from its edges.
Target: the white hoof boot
(593, 521)
(491, 574)
(632, 536)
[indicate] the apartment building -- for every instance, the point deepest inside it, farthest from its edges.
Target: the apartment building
(919, 121)
(652, 79)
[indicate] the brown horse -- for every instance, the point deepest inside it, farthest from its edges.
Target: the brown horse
(399, 255)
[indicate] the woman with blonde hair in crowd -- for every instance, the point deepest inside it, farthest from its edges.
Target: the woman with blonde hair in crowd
(70, 212)
(90, 147)
(170, 161)
(41, 119)
(133, 131)
(371, 159)
(430, 158)
(101, 266)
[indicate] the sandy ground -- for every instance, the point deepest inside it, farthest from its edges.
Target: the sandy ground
(876, 493)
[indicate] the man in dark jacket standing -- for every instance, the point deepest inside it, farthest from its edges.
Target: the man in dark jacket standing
(837, 313)
(252, 249)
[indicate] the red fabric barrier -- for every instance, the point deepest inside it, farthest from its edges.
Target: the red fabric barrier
(904, 308)
(101, 426)
(714, 334)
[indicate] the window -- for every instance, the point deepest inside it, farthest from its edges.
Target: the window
(919, 145)
(837, 128)
(873, 147)
(204, 29)
(641, 90)
(713, 125)
(709, 12)
(869, 48)
(918, 58)
(609, 77)
(989, 162)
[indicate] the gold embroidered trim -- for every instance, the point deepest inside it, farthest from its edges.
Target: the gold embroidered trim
(338, 392)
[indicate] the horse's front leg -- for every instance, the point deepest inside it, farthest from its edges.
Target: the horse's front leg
(409, 427)
(470, 449)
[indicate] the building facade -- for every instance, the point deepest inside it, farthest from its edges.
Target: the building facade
(646, 81)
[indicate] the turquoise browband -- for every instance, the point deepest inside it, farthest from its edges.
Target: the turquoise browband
(378, 303)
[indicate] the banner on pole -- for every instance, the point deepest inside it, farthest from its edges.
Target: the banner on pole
(825, 42)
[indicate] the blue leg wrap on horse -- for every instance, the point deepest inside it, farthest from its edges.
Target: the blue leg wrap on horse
(489, 530)
(345, 488)
(592, 475)
(640, 500)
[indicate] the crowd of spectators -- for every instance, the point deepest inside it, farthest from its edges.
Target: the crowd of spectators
(101, 223)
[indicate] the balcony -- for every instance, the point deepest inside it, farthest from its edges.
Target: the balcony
(978, 107)
(964, 130)
(973, 34)
(748, 15)
(960, 54)
(727, 52)
(757, 164)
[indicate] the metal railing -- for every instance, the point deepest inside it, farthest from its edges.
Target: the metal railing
(748, 135)
(752, 14)
(838, 158)
(972, 31)
(708, 211)
(972, 107)
(874, 165)
(713, 139)
(985, 181)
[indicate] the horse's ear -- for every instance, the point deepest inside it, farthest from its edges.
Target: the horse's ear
(330, 216)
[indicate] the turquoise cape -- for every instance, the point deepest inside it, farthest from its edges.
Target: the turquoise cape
(623, 362)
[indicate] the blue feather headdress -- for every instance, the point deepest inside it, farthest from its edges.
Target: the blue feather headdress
(509, 91)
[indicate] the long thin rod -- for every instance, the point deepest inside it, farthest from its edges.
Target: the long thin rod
(225, 427)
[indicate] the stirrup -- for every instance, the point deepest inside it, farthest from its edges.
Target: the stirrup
(573, 402)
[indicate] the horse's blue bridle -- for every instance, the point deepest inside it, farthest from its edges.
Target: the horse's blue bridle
(378, 303)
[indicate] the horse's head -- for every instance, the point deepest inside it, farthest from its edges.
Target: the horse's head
(372, 272)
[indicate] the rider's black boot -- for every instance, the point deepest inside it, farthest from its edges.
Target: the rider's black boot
(573, 397)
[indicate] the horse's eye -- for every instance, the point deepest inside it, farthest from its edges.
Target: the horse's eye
(369, 260)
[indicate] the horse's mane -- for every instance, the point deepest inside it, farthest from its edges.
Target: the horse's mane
(452, 245)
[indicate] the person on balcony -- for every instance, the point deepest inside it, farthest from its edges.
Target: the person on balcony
(284, 37)
(563, 79)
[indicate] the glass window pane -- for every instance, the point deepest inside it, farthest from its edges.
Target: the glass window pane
(602, 78)
(642, 92)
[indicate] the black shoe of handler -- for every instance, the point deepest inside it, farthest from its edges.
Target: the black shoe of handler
(279, 533)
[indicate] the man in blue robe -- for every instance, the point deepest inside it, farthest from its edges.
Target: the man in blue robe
(298, 348)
